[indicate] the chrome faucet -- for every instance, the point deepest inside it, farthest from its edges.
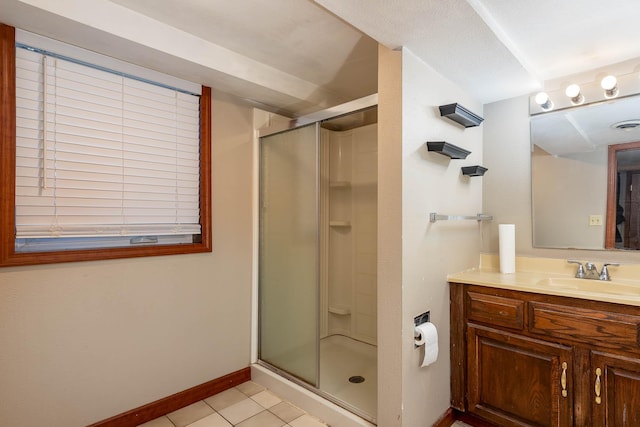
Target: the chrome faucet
(580, 271)
(604, 274)
(590, 271)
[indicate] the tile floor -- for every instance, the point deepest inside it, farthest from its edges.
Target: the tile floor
(246, 405)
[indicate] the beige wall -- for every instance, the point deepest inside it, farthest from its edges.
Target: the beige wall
(390, 309)
(85, 341)
(415, 255)
(507, 184)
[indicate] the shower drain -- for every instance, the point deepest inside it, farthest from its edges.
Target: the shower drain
(356, 379)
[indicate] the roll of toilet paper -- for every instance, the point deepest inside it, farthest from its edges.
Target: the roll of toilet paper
(507, 243)
(426, 335)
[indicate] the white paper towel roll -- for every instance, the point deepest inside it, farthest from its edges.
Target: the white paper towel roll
(507, 237)
(426, 334)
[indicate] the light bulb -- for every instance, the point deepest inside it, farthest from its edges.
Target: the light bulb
(573, 92)
(543, 100)
(610, 86)
(608, 82)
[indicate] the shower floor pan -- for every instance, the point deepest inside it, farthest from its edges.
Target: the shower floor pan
(343, 359)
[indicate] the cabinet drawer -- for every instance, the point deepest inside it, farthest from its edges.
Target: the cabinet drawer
(495, 310)
(585, 325)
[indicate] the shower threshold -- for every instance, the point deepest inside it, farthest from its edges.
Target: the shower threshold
(308, 398)
(348, 375)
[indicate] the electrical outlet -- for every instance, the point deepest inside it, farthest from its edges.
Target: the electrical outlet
(595, 220)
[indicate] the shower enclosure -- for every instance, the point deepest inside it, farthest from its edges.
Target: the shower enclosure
(317, 256)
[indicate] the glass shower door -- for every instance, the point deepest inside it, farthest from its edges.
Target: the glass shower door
(289, 251)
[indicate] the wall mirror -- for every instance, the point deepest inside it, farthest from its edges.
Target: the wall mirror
(585, 167)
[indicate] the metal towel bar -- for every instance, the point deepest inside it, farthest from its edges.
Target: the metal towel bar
(433, 217)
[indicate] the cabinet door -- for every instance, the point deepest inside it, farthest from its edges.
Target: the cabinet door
(615, 390)
(518, 381)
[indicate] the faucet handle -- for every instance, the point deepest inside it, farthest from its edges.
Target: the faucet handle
(580, 272)
(604, 274)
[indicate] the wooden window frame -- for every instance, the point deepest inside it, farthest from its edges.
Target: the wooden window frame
(8, 255)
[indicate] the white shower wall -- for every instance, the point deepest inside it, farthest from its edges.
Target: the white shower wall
(351, 240)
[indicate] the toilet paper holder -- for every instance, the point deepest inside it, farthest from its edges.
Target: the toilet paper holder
(426, 336)
(419, 320)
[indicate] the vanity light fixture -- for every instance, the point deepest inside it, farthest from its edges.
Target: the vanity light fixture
(607, 86)
(543, 100)
(610, 86)
(573, 92)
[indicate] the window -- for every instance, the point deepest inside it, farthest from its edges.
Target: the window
(98, 164)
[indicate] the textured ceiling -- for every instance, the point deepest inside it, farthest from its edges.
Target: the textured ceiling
(559, 38)
(498, 49)
(290, 35)
(448, 35)
(297, 56)
(297, 37)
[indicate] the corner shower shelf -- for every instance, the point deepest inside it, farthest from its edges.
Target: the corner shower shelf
(340, 223)
(339, 310)
(446, 149)
(461, 115)
(473, 170)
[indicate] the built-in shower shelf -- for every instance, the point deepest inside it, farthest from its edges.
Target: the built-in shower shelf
(340, 184)
(339, 310)
(340, 223)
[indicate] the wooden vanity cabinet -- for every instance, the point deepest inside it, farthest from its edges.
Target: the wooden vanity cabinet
(526, 359)
(619, 379)
(513, 380)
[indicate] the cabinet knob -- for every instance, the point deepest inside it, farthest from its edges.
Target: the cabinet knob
(598, 386)
(563, 379)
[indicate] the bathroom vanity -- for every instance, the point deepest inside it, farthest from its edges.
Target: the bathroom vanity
(527, 350)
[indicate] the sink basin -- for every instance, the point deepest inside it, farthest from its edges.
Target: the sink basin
(599, 287)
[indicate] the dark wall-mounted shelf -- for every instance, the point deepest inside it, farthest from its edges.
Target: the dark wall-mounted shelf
(473, 170)
(447, 149)
(461, 115)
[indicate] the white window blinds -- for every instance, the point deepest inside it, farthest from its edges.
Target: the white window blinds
(102, 154)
